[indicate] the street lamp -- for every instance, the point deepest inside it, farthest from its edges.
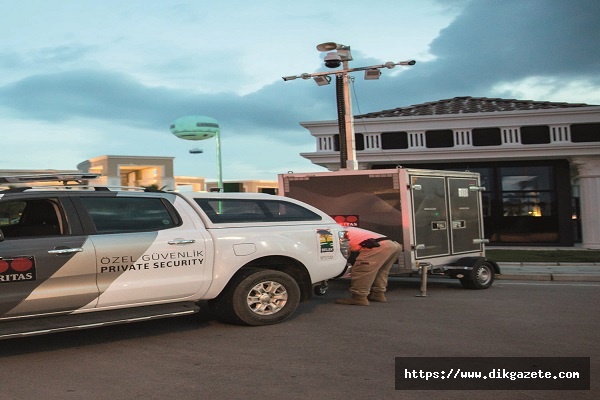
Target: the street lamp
(198, 127)
(339, 55)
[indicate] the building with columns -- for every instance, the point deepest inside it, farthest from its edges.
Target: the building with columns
(143, 171)
(158, 171)
(131, 171)
(539, 161)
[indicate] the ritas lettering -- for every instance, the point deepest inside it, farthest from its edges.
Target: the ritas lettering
(16, 277)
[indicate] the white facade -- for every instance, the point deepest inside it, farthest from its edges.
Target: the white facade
(583, 157)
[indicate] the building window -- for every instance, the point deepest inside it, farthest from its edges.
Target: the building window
(358, 139)
(233, 187)
(585, 133)
(31, 217)
(486, 137)
(394, 140)
(535, 134)
(529, 205)
(439, 138)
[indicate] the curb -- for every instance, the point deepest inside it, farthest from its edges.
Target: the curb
(550, 277)
(550, 271)
(525, 277)
(575, 278)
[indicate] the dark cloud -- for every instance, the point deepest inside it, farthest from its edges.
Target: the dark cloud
(76, 94)
(501, 41)
(518, 38)
(111, 96)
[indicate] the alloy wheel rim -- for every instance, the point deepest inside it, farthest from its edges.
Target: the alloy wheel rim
(267, 298)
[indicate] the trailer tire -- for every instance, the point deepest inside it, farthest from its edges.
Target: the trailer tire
(480, 277)
(258, 297)
(321, 289)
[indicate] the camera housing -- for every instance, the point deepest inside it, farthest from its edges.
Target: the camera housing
(333, 60)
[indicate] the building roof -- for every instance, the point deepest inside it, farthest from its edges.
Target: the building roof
(467, 105)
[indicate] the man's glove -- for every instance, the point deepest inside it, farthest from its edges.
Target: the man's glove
(369, 243)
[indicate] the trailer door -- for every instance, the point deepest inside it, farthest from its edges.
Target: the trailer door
(465, 219)
(430, 218)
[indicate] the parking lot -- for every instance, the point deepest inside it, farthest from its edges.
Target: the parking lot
(325, 351)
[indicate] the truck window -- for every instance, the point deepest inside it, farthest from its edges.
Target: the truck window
(129, 214)
(30, 217)
(248, 210)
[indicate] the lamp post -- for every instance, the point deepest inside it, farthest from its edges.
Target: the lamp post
(339, 55)
(197, 127)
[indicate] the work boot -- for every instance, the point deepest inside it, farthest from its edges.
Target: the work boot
(355, 300)
(378, 297)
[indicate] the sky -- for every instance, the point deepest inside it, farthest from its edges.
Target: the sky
(85, 78)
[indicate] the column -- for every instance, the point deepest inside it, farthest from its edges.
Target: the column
(462, 137)
(416, 139)
(588, 173)
(372, 141)
(511, 135)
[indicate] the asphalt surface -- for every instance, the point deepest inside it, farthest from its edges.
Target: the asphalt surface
(325, 351)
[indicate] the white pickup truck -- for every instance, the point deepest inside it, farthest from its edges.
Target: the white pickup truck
(77, 257)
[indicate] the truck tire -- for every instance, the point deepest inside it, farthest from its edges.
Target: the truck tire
(258, 297)
(480, 277)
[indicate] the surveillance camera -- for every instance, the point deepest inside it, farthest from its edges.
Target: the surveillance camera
(409, 62)
(333, 60)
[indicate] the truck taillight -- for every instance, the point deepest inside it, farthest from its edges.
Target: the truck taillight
(344, 243)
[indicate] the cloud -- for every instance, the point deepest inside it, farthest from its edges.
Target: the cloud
(132, 82)
(551, 89)
(493, 43)
(91, 94)
(516, 38)
(103, 95)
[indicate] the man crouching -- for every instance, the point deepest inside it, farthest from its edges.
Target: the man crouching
(370, 270)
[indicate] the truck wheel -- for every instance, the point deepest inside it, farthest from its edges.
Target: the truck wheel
(258, 297)
(480, 277)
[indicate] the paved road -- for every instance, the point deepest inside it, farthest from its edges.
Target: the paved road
(326, 351)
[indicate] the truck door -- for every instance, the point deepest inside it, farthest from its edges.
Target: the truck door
(46, 266)
(148, 248)
(465, 219)
(430, 218)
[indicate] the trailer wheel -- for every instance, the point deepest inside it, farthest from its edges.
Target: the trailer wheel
(481, 277)
(321, 289)
(258, 297)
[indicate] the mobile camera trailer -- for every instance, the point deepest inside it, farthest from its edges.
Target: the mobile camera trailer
(435, 215)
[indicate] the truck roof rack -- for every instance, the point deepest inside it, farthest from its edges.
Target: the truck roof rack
(78, 187)
(64, 178)
(78, 180)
